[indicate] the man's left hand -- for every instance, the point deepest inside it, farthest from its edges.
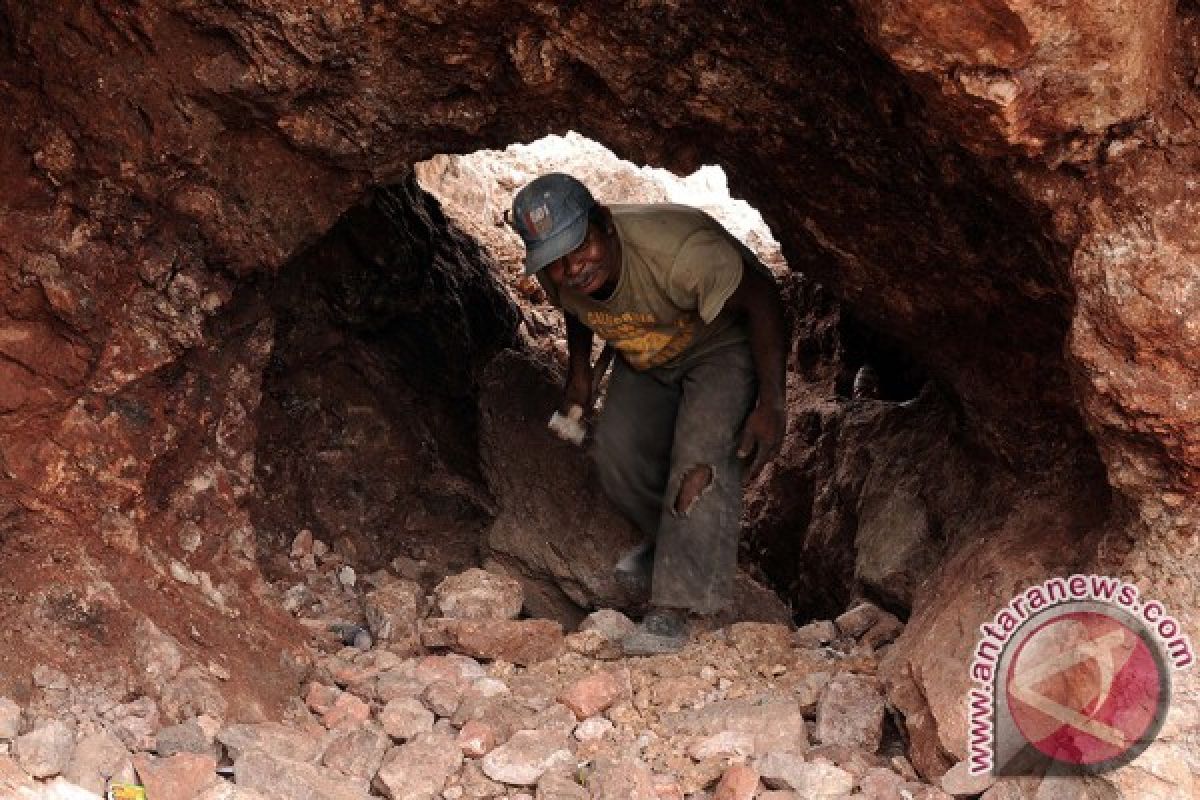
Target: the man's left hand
(762, 436)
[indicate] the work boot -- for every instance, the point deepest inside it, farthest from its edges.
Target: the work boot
(634, 571)
(661, 631)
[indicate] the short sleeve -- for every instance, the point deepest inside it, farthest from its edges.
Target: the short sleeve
(706, 271)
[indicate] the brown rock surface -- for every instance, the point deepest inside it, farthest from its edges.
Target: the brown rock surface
(185, 775)
(516, 641)
(1000, 193)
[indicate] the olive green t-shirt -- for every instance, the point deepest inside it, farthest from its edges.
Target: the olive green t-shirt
(678, 267)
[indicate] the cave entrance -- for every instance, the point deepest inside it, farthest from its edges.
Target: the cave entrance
(370, 423)
(368, 430)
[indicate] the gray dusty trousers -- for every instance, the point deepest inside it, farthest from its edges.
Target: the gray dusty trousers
(658, 424)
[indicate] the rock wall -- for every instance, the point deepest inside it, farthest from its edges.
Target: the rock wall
(1003, 188)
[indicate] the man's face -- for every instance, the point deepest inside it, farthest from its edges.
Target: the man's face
(592, 267)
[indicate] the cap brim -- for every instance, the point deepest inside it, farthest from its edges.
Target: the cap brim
(556, 246)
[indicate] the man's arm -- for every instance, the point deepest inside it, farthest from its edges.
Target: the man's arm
(757, 297)
(579, 364)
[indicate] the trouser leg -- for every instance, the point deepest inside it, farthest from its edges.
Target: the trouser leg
(696, 552)
(632, 447)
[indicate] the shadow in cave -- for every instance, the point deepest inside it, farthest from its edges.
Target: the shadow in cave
(898, 377)
(368, 420)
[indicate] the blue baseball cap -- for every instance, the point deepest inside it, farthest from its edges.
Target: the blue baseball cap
(551, 214)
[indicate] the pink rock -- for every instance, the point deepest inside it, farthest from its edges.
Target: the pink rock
(959, 782)
(476, 738)
(850, 712)
(357, 753)
(451, 668)
(320, 698)
(182, 776)
(347, 711)
(272, 738)
(775, 722)
(302, 545)
(612, 625)
(523, 642)
(667, 787)
(419, 769)
(739, 782)
(442, 697)
(881, 784)
(392, 611)
(592, 694)
(193, 692)
(12, 777)
(46, 750)
(723, 745)
(10, 719)
(622, 778)
(405, 717)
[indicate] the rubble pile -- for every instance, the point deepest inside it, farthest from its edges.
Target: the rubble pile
(419, 692)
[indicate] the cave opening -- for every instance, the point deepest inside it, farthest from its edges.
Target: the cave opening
(369, 427)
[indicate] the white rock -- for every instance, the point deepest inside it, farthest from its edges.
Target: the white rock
(816, 780)
(613, 625)
(593, 728)
(10, 719)
(46, 677)
(489, 687)
(522, 759)
(725, 744)
(46, 750)
(959, 782)
(181, 573)
(477, 594)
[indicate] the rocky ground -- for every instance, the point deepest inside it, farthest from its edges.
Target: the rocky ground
(453, 695)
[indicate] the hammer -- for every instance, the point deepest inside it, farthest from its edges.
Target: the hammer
(570, 427)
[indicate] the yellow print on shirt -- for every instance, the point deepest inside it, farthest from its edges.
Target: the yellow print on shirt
(643, 340)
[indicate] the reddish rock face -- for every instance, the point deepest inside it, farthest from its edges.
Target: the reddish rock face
(1020, 76)
(1003, 189)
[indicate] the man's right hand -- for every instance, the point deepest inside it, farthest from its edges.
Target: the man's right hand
(578, 391)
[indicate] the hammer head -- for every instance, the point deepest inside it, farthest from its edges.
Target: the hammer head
(569, 427)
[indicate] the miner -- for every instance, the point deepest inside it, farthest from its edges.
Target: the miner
(695, 402)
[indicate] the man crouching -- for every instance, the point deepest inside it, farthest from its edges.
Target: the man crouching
(696, 397)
